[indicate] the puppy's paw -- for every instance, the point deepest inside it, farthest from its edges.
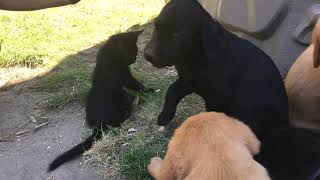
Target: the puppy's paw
(161, 129)
(154, 166)
(165, 118)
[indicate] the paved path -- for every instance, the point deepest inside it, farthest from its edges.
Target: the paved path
(26, 156)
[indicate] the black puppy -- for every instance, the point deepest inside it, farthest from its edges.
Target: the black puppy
(231, 74)
(108, 105)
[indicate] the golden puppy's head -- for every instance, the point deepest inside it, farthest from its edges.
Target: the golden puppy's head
(218, 125)
(315, 42)
(210, 145)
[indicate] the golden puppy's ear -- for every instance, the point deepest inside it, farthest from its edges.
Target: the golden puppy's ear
(253, 143)
(249, 138)
(315, 42)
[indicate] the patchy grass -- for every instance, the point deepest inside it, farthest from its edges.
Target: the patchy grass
(67, 84)
(44, 37)
(133, 162)
(39, 40)
(34, 39)
(124, 155)
(70, 80)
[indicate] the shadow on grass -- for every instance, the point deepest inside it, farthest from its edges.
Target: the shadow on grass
(69, 80)
(124, 153)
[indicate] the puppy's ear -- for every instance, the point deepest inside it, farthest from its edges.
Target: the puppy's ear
(126, 45)
(315, 42)
(249, 138)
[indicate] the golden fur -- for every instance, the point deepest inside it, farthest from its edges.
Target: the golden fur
(303, 86)
(210, 146)
(315, 42)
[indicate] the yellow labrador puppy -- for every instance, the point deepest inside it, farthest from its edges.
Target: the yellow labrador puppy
(210, 146)
(303, 86)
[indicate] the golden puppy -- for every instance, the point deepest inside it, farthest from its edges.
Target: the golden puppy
(210, 146)
(303, 86)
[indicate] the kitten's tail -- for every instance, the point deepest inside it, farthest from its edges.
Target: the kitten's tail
(76, 151)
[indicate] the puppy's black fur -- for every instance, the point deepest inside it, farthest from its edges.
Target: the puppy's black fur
(294, 154)
(231, 74)
(108, 104)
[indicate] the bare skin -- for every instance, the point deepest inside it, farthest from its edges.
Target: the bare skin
(30, 5)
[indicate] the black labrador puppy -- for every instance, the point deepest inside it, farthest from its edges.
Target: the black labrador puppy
(231, 74)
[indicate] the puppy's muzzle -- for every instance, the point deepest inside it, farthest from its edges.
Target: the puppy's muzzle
(150, 56)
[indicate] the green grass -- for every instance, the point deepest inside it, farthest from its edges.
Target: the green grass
(123, 155)
(68, 83)
(45, 37)
(126, 156)
(57, 37)
(67, 86)
(133, 162)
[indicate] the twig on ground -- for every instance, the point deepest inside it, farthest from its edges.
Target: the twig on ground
(39, 126)
(55, 132)
(22, 132)
(136, 102)
(73, 90)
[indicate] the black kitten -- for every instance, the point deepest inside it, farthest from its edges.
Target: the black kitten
(108, 105)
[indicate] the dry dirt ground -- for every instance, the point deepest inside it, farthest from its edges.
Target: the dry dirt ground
(30, 138)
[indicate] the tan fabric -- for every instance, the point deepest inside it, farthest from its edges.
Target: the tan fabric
(303, 86)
